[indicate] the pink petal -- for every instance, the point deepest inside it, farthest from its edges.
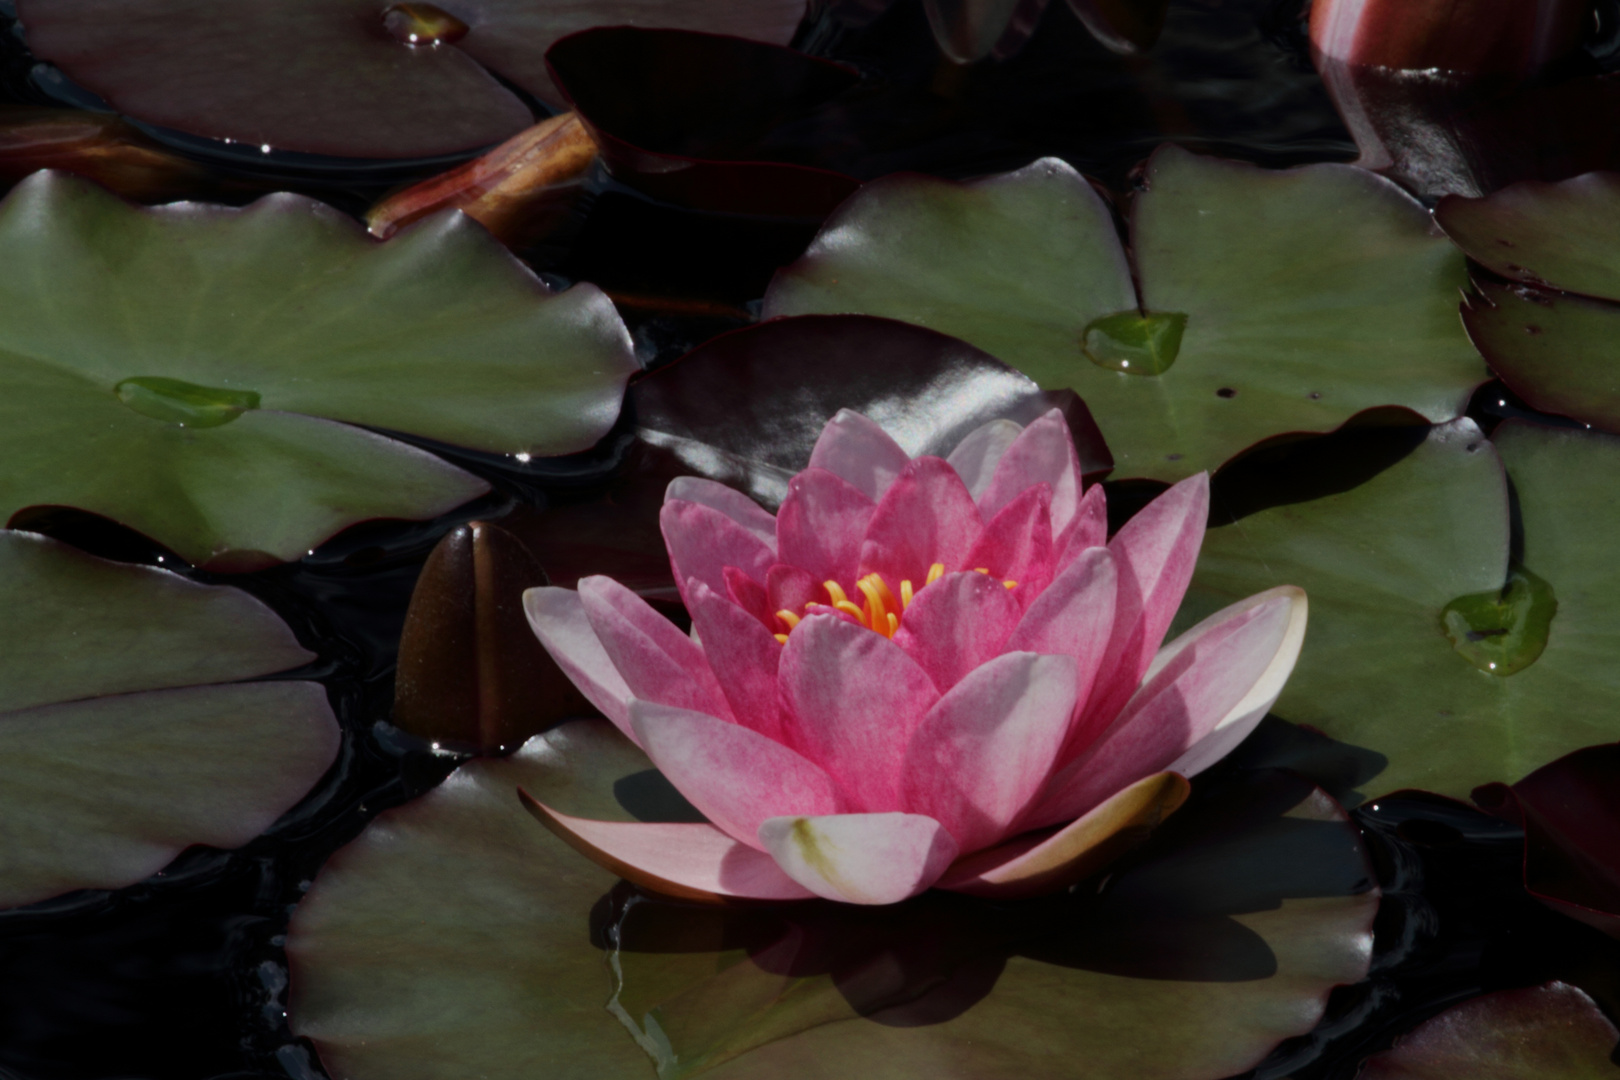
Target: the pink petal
(1074, 617)
(1043, 454)
(1016, 545)
(984, 752)
(735, 776)
(926, 517)
(976, 456)
(1088, 529)
(657, 661)
(860, 858)
(745, 592)
(1045, 862)
(558, 619)
(702, 542)
(861, 452)
(729, 501)
(1237, 652)
(821, 525)
(790, 588)
(856, 697)
(956, 624)
(1155, 553)
(686, 861)
(743, 654)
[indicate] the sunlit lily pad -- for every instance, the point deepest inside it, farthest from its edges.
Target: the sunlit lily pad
(125, 733)
(1552, 1032)
(1244, 329)
(456, 937)
(180, 369)
(1412, 602)
(346, 77)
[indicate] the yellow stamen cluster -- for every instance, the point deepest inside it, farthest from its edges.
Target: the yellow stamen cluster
(881, 612)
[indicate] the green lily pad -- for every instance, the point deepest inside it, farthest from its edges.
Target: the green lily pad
(125, 734)
(457, 938)
(1393, 566)
(180, 369)
(1277, 337)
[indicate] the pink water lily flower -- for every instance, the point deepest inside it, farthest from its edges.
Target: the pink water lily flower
(929, 672)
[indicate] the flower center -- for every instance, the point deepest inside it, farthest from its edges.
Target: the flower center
(881, 612)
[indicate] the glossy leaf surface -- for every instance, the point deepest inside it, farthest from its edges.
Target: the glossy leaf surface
(1382, 562)
(1276, 338)
(1551, 1032)
(118, 744)
(121, 328)
(333, 76)
(456, 935)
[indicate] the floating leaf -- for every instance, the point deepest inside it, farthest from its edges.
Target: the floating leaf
(180, 369)
(1486, 37)
(119, 745)
(344, 77)
(1276, 337)
(97, 147)
(1551, 1032)
(1383, 562)
(456, 937)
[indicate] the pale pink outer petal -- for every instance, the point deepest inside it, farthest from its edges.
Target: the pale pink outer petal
(860, 858)
(735, 776)
(1246, 715)
(657, 661)
(1238, 651)
(926, 517)
(1089, 528)
(743, 655)
(986, 750)
(855, 697)
(821, 525)
(1074, 617)
(976, 456)
(1044, 862)
(957, 623)
(702, 542)
(861, 452)
(557, 618)
(693, 861)
(1155, 553)
(1016, 544)
(729, 501)
(1043, 454)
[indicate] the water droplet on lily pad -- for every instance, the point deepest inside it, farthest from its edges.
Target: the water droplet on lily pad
(423, 24)
(1134, 343)
(176, 401)
(1502, 633)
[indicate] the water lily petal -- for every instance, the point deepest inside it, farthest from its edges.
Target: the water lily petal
(1155, 553)
(987, 748)
(821, 525)
(860, 858)
(558, 619)
(1043, 454)
(956, 624)
(729, 501)
(1088, 529)
(861, 452)
(1219, 677)
(977, 455)
(1016, 544)
(657, 661)
(790, 588)
(743, 655)
(1074, 617)
(856, 698)
(1045, 862)
(702, 542)
(735, 776)
(687, 861)
(926, 517)
(745, 593)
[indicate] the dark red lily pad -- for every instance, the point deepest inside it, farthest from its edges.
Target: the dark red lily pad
(1570, 813)
(341, 77)
(1551, 1032)
(688, 117)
